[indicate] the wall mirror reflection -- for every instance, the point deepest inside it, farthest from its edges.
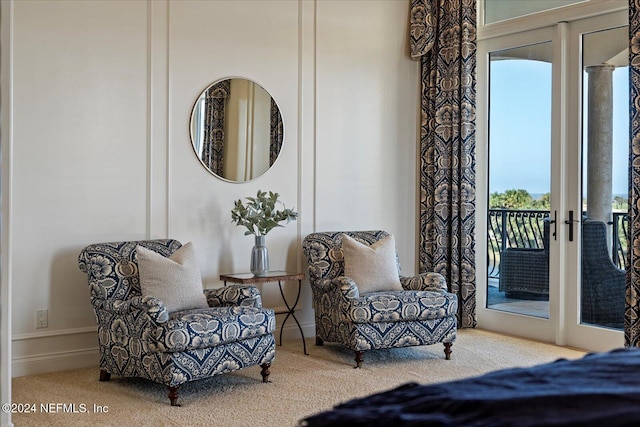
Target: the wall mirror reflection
(236, 129)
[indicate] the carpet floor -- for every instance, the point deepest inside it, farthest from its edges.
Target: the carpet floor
(300, 385)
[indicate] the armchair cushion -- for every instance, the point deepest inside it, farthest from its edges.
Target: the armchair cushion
(402, 306)
(214, 326)
(175, 280)
(372, 267)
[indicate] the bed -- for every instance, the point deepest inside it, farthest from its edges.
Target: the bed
(597, 389)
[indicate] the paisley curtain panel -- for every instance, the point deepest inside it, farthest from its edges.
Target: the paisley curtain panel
(632, 309)
(443, 38)
(212, 154)
(277, 133)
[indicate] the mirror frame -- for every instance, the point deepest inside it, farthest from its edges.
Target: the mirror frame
(192, 137)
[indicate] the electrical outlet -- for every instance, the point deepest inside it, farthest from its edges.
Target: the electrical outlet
(42, 318)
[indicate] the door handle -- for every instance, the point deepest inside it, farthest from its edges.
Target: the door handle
(570, 222)
(555, 225)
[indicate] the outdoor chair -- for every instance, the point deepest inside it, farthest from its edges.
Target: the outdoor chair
(603, 283)
(524, 272)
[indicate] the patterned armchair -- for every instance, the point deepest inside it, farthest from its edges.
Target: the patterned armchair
(421, 314)
(138, 337)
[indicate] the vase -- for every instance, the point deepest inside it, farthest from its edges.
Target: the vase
(259, 257)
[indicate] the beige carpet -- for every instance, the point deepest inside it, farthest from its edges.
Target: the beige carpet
(301, 385)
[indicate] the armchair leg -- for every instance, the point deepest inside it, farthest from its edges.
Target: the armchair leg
(104, 375)
(447, 350)
(319, 341)
(359, 357)
(173, 395)
(265, 372)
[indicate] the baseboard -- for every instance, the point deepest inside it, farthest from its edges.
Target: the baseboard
(81, 358)
(291, 331)
(51, 362)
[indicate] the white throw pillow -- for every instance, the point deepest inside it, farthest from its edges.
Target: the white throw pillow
(374, 268)
(175, 280)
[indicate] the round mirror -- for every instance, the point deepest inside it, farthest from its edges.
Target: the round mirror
(236, 129)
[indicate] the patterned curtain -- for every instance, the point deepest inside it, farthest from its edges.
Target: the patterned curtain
(632, 309)
(277, 133)
(443, 38)
(215, 99)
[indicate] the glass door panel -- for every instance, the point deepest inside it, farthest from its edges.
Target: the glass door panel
(605, 153)
(519, 165)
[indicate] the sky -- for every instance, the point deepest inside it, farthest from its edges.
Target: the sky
(520, 127)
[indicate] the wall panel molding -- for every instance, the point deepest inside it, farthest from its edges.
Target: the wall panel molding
(40, 360)
(6, 92)
(54, 333)
(158, 140)
(307, 116)
(56, 361)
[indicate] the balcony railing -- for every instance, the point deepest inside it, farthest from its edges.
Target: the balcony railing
(524, 229)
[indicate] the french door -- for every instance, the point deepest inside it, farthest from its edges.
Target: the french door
(552, 146)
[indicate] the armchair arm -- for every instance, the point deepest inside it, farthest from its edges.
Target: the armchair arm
(425, 282)
(343, 286)
(347, 287)
(334, 296)
(152, 306)
(322, 285)
(234, 295)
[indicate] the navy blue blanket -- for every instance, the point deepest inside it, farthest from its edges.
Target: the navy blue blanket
(600, 389)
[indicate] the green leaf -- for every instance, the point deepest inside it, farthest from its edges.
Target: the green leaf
(259, 214)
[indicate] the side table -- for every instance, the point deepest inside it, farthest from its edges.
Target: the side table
(271, 277)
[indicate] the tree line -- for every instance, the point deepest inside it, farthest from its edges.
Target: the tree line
(521, 199)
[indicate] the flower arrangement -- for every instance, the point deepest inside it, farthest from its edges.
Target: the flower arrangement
(259, 214)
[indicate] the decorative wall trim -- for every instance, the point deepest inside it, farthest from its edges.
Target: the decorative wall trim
(159, 121)
(307, 129)
(80, 358)
(54, 333)
(55, 361)
(6, 75)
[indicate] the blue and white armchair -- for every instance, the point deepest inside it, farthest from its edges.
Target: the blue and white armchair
(138, 337)
(423, 313)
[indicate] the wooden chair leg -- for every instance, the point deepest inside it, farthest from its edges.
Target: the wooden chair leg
(319, 341)
(265, 372)
(104, 375)
(447, 350)
(359, 357)
(173, 395)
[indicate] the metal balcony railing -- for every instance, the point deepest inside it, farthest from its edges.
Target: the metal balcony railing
(510, 228)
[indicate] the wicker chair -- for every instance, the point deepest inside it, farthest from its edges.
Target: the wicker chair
(524, 272)
(603, 283)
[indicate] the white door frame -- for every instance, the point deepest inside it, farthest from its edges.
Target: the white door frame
(577, 334)
(563, 325)
(509, 323)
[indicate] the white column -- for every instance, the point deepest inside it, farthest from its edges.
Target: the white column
(600, 144)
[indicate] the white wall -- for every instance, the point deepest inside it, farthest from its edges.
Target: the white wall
(97, 147)
(367, 119)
